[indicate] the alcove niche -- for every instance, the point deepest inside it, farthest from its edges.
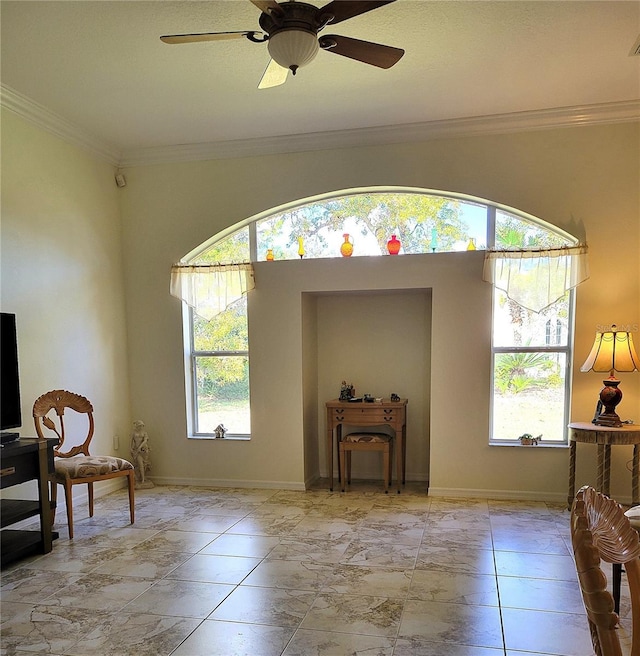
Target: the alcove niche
(380, 341)
(416, 325)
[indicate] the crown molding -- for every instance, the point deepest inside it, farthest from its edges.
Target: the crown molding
(616, 112)
(561, 117)
(60, 127)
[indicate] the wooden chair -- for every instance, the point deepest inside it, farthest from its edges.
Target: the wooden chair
(600, 531)
(74, 464)
(364, 442)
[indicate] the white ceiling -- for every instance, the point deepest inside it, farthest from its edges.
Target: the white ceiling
(101, 67)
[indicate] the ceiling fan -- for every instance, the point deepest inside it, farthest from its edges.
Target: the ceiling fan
(291, 32)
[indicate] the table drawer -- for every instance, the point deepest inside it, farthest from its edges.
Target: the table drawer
(365, 415)
(18, 470)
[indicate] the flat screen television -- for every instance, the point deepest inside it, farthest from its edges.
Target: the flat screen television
(10, 414)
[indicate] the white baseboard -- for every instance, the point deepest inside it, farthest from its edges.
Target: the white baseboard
(509, 495)
(216, 482)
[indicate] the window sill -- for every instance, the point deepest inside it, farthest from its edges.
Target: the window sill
(213, 438)
(543, 445)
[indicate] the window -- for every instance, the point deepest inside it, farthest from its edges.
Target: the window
(531, 351)
(218, 363)
(422, 222)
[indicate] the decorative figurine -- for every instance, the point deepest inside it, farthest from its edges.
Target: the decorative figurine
(220, 430)
(140, 454)
(395, 398)
(346, 391)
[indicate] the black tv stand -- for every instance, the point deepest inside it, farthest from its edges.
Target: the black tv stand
(25, 460)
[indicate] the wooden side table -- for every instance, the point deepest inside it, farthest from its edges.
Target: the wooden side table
(387, 413)
(605, 437)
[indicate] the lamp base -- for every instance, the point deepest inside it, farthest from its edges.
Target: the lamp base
(611, 420)
(610, 396)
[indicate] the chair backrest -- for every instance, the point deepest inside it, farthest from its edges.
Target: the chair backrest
(59, 401)
(600, 531)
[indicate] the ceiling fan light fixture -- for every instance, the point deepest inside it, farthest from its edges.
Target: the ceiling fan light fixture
(293, 48)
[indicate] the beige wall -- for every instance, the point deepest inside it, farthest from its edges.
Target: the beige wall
(584, 180)
(60, 214)
(62, 274)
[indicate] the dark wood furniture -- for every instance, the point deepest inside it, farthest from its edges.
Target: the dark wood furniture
(26, 460)
(386, 413)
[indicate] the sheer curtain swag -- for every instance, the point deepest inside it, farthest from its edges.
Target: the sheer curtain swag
(211, 288)
(536, 278)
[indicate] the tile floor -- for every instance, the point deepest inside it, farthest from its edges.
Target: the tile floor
(220, 572)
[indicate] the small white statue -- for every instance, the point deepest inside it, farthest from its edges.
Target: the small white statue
(220, 430)
(140, 454)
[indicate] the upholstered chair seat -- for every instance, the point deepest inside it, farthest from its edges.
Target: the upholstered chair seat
(366, 441)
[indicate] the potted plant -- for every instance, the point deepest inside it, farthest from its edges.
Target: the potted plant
(526, 439)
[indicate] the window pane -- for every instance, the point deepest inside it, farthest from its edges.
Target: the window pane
(529, 395)
(514, 325)
(421, 222)
(513, 233)
(222, 394)
(226, 331)
(234, 248)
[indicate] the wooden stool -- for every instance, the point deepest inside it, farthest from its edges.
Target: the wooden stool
(365, 442)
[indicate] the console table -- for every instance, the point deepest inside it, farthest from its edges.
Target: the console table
(386, 413)
(604, 437)
(25, 460)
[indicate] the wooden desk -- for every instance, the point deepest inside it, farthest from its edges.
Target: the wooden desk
(387, 413)
(605, 437)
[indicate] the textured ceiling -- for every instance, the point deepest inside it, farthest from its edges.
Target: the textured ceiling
(102, 67)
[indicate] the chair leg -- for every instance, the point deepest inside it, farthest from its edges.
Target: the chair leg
(341, 461)
(90, 487)
(68, 499)
(349, 466)
(131, 484)
(385, 463)
(615, 585)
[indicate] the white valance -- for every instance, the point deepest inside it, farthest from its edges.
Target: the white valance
(211, 288)
(536, 278)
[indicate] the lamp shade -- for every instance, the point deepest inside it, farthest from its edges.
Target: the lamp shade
(293, 48)
(612, 351)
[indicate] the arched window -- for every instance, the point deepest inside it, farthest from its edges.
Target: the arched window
(530, 350)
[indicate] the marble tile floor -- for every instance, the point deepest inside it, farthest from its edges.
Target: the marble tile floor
(226, 572)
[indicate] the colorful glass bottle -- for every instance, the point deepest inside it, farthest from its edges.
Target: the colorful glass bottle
(393, 245)
(300, 247)
(269, 254)
(471, 246)
(347, 246)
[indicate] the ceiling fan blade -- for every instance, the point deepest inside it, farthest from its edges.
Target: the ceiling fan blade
(269, 7)
(273, 76)
(341, 10)
(210, 36)
(370, 53)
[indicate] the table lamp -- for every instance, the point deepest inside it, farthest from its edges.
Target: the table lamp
(612, 351)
